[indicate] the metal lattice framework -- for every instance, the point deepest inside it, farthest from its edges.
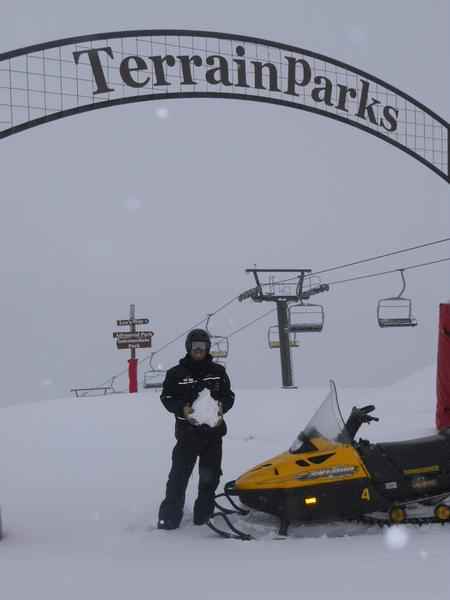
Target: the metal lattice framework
(57, 79)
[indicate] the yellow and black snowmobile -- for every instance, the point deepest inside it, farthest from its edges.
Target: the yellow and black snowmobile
(326, 475)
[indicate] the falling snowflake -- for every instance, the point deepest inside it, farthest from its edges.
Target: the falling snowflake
(162, 113)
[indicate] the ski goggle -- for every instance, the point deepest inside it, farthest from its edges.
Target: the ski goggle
(199, 346)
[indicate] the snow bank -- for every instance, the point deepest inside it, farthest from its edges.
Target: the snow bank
(81, 480)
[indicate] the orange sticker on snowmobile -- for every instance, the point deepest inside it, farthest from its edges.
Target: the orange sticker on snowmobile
(419, 470)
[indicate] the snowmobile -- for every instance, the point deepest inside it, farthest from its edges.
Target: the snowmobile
(326, 476)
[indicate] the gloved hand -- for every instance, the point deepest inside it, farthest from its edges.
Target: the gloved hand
(187, 412)
(219, 415)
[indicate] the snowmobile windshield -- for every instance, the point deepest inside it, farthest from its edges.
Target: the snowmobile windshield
(325, 429)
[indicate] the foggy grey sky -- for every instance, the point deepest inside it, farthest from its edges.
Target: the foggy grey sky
(166, 209)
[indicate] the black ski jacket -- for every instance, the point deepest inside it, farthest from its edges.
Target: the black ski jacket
(183, 384)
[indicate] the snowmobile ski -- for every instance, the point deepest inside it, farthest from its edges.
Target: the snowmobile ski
(235, 532)
(224, 513)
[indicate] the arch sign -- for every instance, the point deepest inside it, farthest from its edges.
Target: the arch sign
(57, 79)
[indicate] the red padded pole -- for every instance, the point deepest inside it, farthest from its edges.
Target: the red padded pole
(443, 369)
(132, 372)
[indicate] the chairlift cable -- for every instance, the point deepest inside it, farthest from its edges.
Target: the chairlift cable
(252, 322)
(224, 306)
(358, 262)
(433, 262)
(110, 379)
(381, 256)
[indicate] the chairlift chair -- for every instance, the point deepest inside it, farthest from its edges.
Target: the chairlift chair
(219, 347)
(219, 343)
(305, 318)
(154, 378)
(396, 311)
(273, 337)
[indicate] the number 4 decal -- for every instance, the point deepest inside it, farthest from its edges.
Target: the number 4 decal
(365, 494)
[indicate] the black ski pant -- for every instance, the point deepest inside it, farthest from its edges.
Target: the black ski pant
(184, 456)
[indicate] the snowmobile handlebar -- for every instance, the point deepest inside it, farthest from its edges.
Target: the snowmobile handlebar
(365, 410)
(357, 417)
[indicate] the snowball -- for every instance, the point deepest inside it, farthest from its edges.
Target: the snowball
(205, 409)
(397, 536)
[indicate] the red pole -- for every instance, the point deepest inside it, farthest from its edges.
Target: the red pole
(443, 369)
(132, 373)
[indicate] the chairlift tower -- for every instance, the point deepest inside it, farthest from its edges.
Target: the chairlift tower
(283, 294)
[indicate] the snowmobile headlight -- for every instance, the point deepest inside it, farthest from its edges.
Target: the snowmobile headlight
(340, 471)
(311, 500)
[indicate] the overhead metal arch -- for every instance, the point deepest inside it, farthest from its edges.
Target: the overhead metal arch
(49, 81)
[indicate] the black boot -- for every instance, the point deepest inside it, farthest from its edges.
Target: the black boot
(170, 514)
(162, 524)
(201, 519)
(203, 508)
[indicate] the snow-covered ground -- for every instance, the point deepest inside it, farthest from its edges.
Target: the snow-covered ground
(81, 480)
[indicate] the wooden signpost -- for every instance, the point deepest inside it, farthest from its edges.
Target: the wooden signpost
(131, 340)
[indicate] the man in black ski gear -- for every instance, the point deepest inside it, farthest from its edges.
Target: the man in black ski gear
(182, 385)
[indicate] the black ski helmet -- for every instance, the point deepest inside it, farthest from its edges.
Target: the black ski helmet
(197, 335)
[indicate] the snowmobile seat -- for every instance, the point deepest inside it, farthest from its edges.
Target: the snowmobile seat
(377, 462)
(422, 453)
